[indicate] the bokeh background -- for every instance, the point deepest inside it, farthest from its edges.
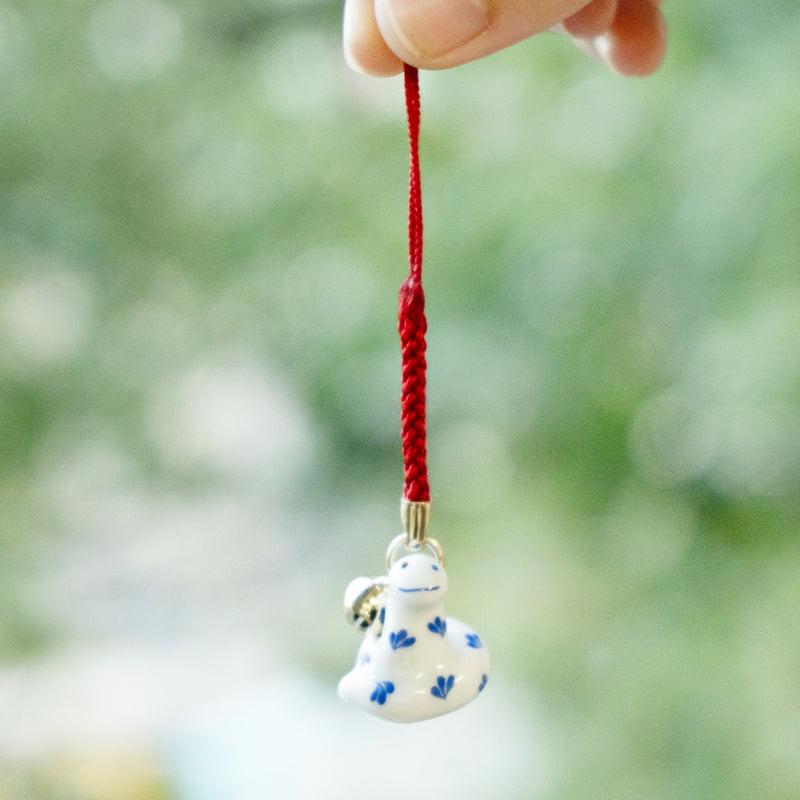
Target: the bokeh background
(202, 236)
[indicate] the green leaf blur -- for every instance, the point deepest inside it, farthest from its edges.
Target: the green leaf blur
(202, 236)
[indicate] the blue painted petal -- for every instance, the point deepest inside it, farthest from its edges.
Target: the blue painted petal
(401, 639)
(443, 686)
(381, 690)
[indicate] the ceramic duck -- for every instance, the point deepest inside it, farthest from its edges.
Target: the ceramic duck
(416, 663)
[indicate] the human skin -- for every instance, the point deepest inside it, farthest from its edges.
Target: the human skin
(380, 35)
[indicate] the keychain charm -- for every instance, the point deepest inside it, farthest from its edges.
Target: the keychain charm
(414, 662)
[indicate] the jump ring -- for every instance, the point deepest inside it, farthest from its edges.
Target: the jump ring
(401, 542)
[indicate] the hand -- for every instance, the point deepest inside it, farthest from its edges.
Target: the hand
(379, 35)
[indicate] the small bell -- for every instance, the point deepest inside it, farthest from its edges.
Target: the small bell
(363, 600)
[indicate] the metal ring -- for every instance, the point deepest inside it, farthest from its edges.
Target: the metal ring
(402, 542)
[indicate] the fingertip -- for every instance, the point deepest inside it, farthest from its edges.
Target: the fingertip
(368, 62)
(432, 35)
(592, 20)
(364, 47)
(636, 42)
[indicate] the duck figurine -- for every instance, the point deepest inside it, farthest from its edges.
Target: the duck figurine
(415, 663)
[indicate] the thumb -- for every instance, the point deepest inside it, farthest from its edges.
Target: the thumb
(447, 33)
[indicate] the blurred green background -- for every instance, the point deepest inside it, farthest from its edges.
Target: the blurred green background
(202, 236)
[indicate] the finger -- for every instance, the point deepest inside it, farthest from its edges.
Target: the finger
(452, 32)
(364, 47)
(592, 20)
(636, 42)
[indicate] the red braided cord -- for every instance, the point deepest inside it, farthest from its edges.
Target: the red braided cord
(411, 318)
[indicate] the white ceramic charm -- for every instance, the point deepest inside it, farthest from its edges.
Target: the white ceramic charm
(415, 663)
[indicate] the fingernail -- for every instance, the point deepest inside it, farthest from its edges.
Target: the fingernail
(430, 29)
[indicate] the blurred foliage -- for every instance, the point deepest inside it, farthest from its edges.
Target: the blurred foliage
(614, 306)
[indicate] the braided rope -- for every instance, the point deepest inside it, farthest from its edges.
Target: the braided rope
(412, 323)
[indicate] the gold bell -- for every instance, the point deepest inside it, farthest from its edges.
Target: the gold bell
(363, 600)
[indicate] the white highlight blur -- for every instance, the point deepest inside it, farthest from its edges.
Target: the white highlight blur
(230, 413)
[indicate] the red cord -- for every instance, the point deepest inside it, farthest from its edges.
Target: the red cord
(411, 318)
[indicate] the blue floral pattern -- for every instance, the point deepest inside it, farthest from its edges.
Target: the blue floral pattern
(473, 640)
(443, 687)
(439, 626)
(401, 639)
(483, 683)
(381, 691)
